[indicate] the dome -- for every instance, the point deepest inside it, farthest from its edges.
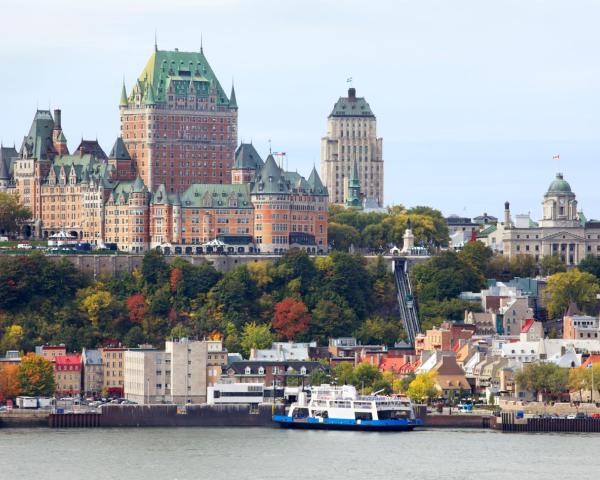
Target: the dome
(559, 185)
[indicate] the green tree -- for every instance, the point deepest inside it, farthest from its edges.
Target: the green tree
(134, 337)
(343, 373)
(365, 376)
(406, 381)
(590, 264)
(36, 376)
(552, 264)
(477, 254)
(12, 338)
(341, 237)
(256, 336)
(569, 287)
(318, 377)
(546, 379)
(155, 270)
(423, 387)
(180, 331)
(12, 213)
(331, 318)
(376, 330)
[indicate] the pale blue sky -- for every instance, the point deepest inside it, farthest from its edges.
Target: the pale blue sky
(473, 97)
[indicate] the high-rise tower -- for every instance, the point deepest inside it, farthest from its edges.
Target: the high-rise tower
(352, 137)
(178, 124)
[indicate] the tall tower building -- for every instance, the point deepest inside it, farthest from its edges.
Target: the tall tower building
(352, 137)
(178, 124)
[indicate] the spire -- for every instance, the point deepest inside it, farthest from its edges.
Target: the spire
(149, 99)
(354, 178)
(123, 102)
(201, 47)
(155, 41)
(232, 99)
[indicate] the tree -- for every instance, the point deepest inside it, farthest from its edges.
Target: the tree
(291, 318)
(406, 381)
(318, 377)
(13, 336)
(36, 376)
(99, 305)
(12, 213)
(445, 276)
(552, 264)
(134, 337)
(546, 379)
(331, 318)
(343, 373)
(423, 387)
(376, 330)
(137, 308)
(590, 264)
(9, 382)
(578, 380)
(180, 331)
(342, 236)
(365, 375)
(569, 287)
(255, 336)
(477, 254)
(155, 270)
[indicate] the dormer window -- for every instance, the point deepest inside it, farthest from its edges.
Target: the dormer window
(261, 371)
(247, 371)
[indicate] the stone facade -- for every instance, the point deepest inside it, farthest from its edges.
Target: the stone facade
(563, 231)
(352, 137)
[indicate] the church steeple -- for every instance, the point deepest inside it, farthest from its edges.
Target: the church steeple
(354, 200)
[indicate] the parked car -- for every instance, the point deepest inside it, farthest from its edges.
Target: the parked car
(24, 246)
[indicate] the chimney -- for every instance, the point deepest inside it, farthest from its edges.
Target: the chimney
(352, 93)
(506, 215)
(57, 125)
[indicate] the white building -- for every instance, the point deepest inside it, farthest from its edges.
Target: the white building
(284, 351)
(223, 393)
(147, 376)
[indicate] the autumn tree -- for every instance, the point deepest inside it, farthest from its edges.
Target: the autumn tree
(547, 379)
(137, 308)
(365, 375)
(36, 376)
(552, 264)
(9, 382)
(569, 287)
(423, 387)
(291, 318)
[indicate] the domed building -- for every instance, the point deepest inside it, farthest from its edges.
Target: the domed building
(563, 231)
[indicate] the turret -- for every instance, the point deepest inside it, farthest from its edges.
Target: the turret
(506, 215)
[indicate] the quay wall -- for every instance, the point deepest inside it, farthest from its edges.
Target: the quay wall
(511, 424)
(24, 419)
(459, 421)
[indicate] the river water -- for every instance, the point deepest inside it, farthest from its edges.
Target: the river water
(262, 453)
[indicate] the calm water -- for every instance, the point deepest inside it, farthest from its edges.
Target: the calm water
(255, 453)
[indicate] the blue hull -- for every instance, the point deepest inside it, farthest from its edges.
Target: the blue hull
(344, 424)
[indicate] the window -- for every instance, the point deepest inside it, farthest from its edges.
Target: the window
(261, 371)
(247, 371)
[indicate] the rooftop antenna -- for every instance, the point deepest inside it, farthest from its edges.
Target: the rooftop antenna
(155, 41)
(270, 152)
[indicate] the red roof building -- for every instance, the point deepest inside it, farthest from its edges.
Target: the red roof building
(67, 374)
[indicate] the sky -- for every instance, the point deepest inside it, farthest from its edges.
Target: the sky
(472, 97)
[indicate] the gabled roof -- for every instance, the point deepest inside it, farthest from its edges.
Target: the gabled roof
(572, 310)
(38, 142)
(184, 73)
(68, 360)
(91, 147)
(7, 156)
(315, 183)
(215, 195)
(270, 180)
(527, 325)
(119, 150)
(247, 158)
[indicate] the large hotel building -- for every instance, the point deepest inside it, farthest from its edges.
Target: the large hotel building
(173, 180)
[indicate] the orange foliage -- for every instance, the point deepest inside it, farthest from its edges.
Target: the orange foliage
(176, 278)
(137, 308)
(9, 382)
(291, 318)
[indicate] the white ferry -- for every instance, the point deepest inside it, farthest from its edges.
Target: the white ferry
(341, 408)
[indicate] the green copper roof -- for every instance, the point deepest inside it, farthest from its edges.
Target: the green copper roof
(247, 158)
(315, 183)
(209, 195)
(38, 142)
(85, 167)
(351, 106)
(119, 150)
(123, 102)
(270, 180)
(232, 99)
(354, 196)
(559, 185)
(184, 73)
(138, 186)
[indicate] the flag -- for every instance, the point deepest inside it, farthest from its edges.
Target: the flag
(349, 80)
(556, 156)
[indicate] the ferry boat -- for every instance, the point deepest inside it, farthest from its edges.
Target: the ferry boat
(341, 408)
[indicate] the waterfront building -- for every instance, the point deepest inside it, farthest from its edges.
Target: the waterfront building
(50, 352)
(177, 122)
(190, 366)
(227, 393)
(147, 376)
(67, 375)
(563, 231)
(352, 137)
(113, 365)
(271, 373)
(93, 372)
